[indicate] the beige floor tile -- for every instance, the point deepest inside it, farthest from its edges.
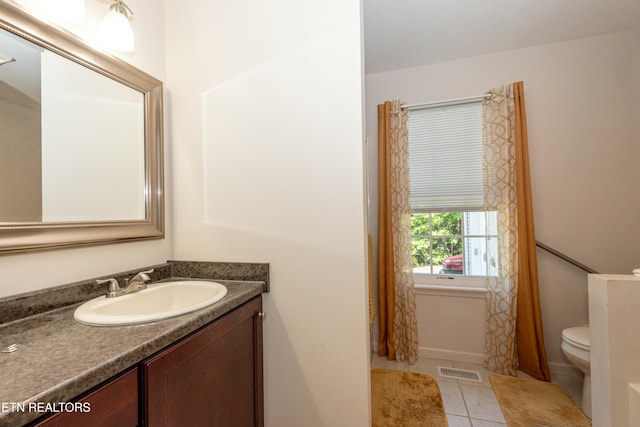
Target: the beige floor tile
(485, 423)
(572, 385)
(481, 403)
(525, 375)
(458, 421)
(378, 362)
(452, 399)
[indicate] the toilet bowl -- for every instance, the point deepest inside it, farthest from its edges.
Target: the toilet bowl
(576, 345)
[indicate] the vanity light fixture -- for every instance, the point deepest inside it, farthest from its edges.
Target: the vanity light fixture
(67, 10)
(116, 31)
(6, 60)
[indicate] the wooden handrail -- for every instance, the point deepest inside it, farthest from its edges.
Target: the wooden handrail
(566, 258)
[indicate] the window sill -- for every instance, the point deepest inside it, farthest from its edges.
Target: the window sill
(453, 291)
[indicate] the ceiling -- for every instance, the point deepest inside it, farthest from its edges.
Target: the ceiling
(408, 33)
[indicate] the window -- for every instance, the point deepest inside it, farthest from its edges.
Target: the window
(452, 236)
(458, 243)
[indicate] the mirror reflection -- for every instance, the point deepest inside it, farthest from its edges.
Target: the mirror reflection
(72, 145)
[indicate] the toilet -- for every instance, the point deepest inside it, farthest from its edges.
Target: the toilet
(576, 345)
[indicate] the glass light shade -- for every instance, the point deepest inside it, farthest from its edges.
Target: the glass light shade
(116, 32)
(67, 10)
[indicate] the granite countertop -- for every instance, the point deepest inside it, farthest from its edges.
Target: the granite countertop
(59, 358)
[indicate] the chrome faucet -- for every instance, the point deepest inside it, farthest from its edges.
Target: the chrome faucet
(134, 284)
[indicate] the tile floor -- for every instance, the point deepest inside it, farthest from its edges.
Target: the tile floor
(470, 403)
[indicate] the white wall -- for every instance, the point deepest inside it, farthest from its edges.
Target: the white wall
(583, 105)
(451, 324)
(266, 113)
(26, 272)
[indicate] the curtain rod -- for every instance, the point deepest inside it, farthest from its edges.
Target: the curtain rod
(455, 101)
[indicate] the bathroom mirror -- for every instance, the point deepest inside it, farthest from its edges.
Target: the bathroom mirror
(81, 141)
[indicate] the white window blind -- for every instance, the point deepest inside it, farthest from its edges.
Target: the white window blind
(445, 158)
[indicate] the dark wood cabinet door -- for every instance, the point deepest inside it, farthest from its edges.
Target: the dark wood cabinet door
(112, 404)
(211, 378)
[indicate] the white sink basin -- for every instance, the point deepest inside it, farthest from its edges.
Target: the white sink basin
(156, 302)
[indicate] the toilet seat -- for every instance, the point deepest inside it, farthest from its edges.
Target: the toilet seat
(578, 337)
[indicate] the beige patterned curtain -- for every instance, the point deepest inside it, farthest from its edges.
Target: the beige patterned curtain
(500, 196)
(398, 338)
(514, 327)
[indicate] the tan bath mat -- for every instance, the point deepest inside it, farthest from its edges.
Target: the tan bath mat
(405, 399)
(532, 403)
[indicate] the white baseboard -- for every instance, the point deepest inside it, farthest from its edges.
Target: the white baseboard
(556, 368)
(440, 353)
(457, 356)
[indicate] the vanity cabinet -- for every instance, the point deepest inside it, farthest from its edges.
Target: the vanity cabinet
(114, 403)
(211, 378)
